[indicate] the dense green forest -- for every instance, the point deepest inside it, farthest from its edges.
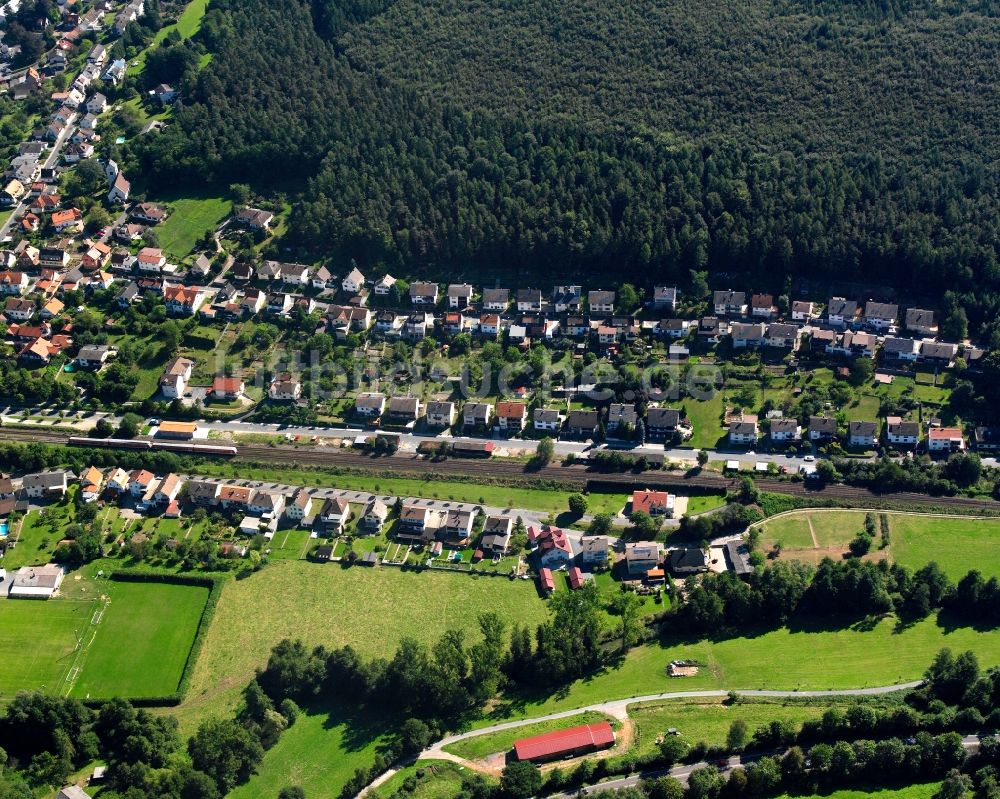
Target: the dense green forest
(833, 139)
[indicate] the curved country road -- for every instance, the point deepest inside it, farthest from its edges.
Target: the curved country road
(618, 709)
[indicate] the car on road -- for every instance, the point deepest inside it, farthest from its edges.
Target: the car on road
(809, 458)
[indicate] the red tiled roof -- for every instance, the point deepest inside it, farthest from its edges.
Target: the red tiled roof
(563, 742)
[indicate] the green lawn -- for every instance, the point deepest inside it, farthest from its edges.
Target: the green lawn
(708, 720)
(436, 779)
(538, 499)
(863, 408)
(482, 745)
(706, 418)
(187, 25)
(289, 544)
(40, 532)
(40, 640)
(809, 657)
(916, 791)
(700, 504)
(189, 218)
(324, 603)
(958, 545)
(319, 752)
(143, 640)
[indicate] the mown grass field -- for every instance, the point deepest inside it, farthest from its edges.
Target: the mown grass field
(189, 218)
(808, 657)
(482, 745)
(371, 609)
(142, 641)
(707, 720)
(39, 639)
(957, 544)
(319, 752)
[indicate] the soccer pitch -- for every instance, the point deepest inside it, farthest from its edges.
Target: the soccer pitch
(38, 639)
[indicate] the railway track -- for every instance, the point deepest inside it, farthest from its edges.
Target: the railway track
(576, 477)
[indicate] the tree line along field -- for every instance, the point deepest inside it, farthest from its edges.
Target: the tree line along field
(957, 544)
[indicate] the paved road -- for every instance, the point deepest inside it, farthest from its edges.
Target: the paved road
(49, 162)
(618, 709)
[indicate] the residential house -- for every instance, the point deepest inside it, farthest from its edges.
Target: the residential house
(945, 439)
(662, 423)
(601, 302)
(822, 428)
(403, 410)
(583, 423)
(353, 282)
(641, 556)
(268, 504)
(285, 388)
(607, 335)
(902, 433)
(322, 279)
(854, 344)
(139, 482)
(94, 356)
(729, 303)
(373, 517)
(151, 259)
(13, 283)
(40, 582)
(823, 340)
(253, 302)
(69, 220)
(96, 256)
(921, 321)
(164, 94)
(784, 430)
(783, 336)
(567, 299)
(881, 316)
(175, 378)
(118, 481)
(234, 497)
(496, 299)
(622, 420)
(334, 515)
(457, 528)
(653, 503)
(203, 492)
(253, 219)
(512, 415)
(665, 297)
(120, 190)
(477, 416)
(594, 550)
(861, 433)
(938, 353)
(415, 522)
(743, 429)
(711, 329)
(18, 309)
(383, 286)
(496, 536)
(440, 413)
(577, 327)
(551, 545)
(986, 439)
(168, 489)
(418, 325)
(459, 295)
(900, 349)
(762, 306)
(300, 506)
(548, 419)
(423, 295)
(91, 482)
(183, 300)
(44, 485)
(295, 274)
(51, 309)
(369, 404)
(841, 312)
(38, 352)
(690, 560)
(227, 388)
(279, 303)
(747, 336)
(673, 328)
(802, 311)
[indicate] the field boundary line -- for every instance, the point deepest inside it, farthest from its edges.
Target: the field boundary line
(85, 642)
(796, 511)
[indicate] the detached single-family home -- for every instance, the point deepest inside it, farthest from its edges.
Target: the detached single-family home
(512, 415)
(253, 219)
(44, 484)
(548, 419)
(601, 302)
(841, 312)
(583, 423)
(139, 482)
(423, 295)
(373, 517)
(151, 259)
(690, 560)
(822, 428)
(440, 413)
(653, 503)
(567, 299)
(919, 320)
(175, 378)
(477, 415)
(403, 410)
(641, 556)
(594, 550)
(227, 388)
(334, 514)
(747, 336)
(881, 316)
(743, 429)
(665, 297)
(802, 311)
(94, 356)
(782, 336)
(900, 432)
(353, 282)
(861, 433)
(785, 430)
(459, 295)
(551, 545)
(120, 190)
(662, 423)
(369, 404)
(457, 529)
(285, 388)
(528, 300)
(945, 439)
(496, 299)
(762, 306)
(729, 303)
(301, 505)
(622, 419)
(67, 220)
(900, 349)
